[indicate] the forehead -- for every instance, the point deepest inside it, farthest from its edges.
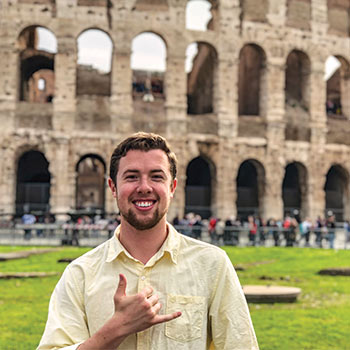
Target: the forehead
(144, 161)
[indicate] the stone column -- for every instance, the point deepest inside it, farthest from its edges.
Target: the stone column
(226, 173)
(175, 92)
(226, 105)
(121, 98)
(9, 77)
(62, 190)
(319, 17)
(273, 202)
(345, 92)
(275, 111)
(272, 205)
(64, 101)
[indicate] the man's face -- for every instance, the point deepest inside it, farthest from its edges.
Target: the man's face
(144, 187)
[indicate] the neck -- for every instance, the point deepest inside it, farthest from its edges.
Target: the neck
(143, 244)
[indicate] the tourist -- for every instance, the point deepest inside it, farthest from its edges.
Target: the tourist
(330, 224)
(253, 228)
(195, 282)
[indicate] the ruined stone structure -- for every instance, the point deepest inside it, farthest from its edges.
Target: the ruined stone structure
(249, 123)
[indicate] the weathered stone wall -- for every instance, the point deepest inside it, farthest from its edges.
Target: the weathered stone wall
(71, 126)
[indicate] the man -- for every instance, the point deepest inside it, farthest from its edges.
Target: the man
(173, 291)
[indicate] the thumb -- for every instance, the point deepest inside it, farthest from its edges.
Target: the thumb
(121, 289)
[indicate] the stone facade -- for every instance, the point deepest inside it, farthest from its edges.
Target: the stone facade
(288, 126)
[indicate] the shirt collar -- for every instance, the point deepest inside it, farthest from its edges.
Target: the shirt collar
(171, 246)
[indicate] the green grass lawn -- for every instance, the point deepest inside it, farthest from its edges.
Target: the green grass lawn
(320, 320)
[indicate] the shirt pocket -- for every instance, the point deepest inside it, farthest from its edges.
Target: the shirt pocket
(189, 325)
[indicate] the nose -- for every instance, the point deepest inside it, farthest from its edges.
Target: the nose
(144, 186)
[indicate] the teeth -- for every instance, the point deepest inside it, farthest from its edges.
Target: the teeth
(144, 204)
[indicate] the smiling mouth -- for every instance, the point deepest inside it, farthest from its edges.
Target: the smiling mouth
(143, 204)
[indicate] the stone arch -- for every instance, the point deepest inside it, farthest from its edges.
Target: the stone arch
(295, 190)
(201, 80)
(208, 10)
(148, 70)
(254, 10)
(90, 183)
(251, 80)
(94, 64)
(338, 90)
(200, 175)
(36, 61)
(337, 192)
(250, 187)
(297, 96)
(33, 183)
(299, 14)
(338, 17)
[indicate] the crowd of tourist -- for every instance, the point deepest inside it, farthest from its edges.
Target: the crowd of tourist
(291, 231)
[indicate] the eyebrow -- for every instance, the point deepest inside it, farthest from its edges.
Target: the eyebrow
(135, 171)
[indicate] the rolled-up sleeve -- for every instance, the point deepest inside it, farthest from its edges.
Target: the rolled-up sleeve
(230, 321)
(66, 326)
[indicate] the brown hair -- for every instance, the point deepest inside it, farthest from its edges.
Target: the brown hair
(144, 142)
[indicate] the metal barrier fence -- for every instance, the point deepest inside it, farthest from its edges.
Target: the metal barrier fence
(93, 234)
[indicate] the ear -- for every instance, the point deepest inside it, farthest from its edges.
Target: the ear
(173, 187)
(113, 187)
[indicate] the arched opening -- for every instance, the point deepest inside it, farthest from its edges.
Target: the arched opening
(90, 183)
(338, 17)
(250, 186)
(38, 47)
(201, 78)
(337, 192)
(148, 63)
(294, 190)
(299, 14)
(338, 87)
(200, 14)
(198, 188)
(253, 10)
(250, 80)
(33, 184)
(297, 96)
(95, 50)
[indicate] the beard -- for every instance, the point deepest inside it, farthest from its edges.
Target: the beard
(143, 223)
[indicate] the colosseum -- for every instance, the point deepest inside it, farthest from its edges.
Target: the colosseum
(255, 125)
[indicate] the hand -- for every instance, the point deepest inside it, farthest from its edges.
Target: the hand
(132, 314)
(140, 311)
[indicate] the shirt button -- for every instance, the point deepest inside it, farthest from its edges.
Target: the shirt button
(143, 278)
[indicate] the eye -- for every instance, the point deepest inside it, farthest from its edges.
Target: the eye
(158, 177)
(130, 177)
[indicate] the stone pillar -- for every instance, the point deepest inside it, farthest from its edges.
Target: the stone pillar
(226, 98)
(226, 173)
(345, 91)
(62, 190)
(272, 206)
(64, 101)
(275, 111)
(277, 12)
(319, 17)
(177, 206)
(121, 98)
(175, 92)
(7, 178)
(9, 73)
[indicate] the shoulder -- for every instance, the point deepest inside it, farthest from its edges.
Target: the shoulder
(203, 252)
(91, 260)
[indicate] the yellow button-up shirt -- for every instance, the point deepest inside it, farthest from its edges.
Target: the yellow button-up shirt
(188, 275)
